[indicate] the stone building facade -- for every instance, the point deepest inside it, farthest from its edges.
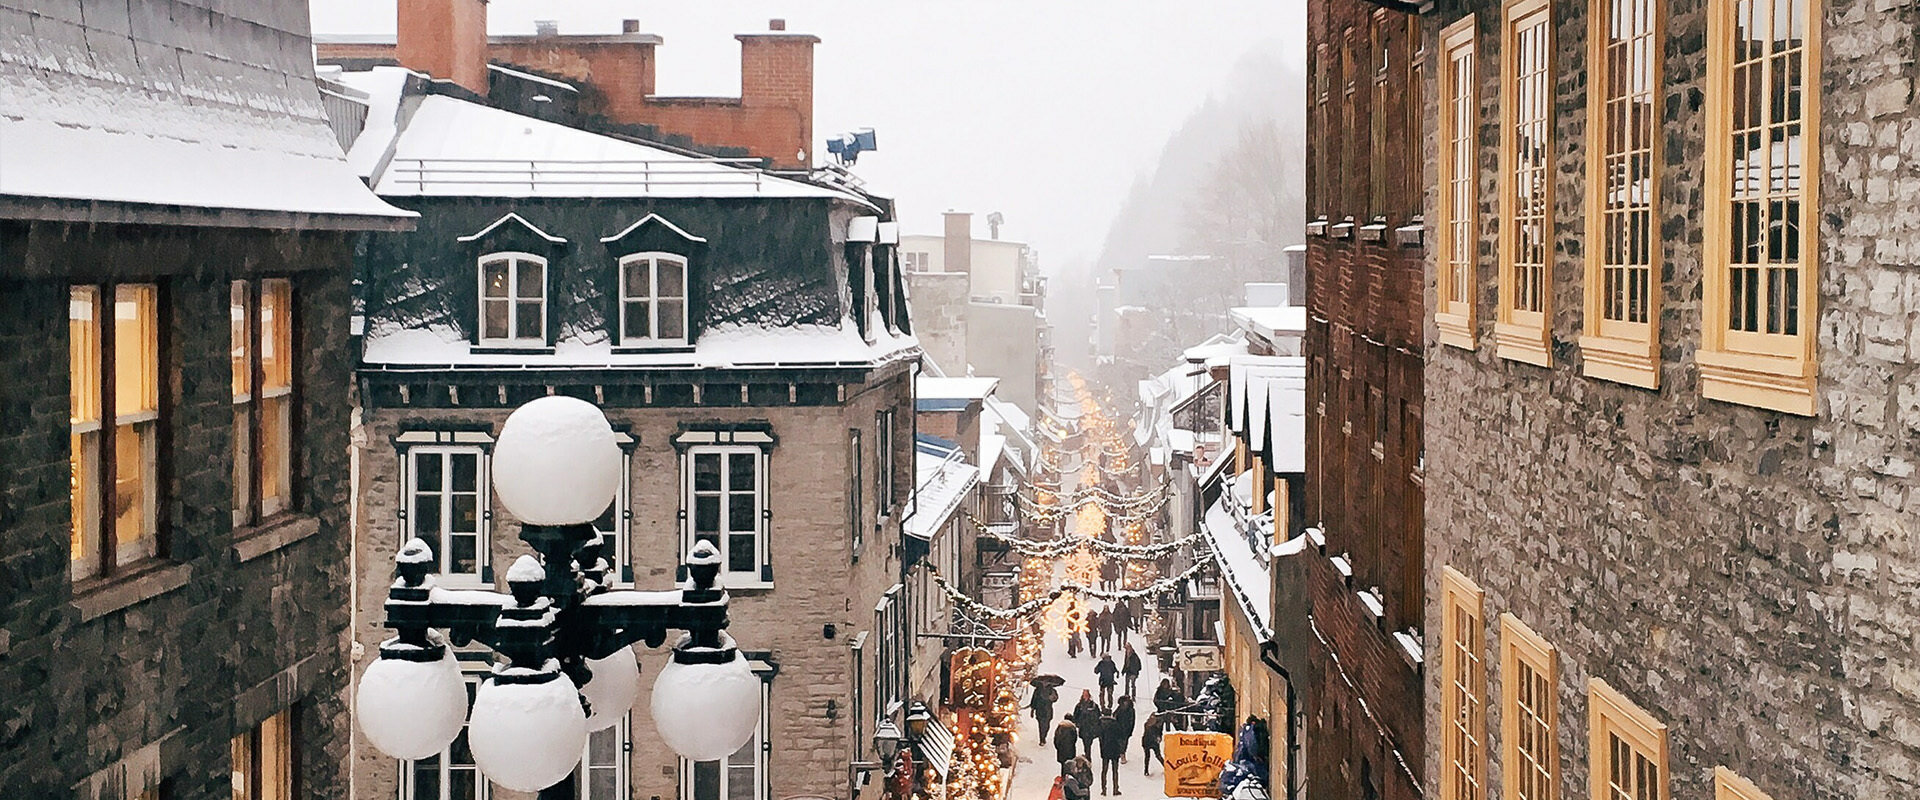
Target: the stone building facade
(172, 624)
(1696, 550)
(1349, 607)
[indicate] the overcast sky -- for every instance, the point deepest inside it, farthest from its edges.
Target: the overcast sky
(1043, 110)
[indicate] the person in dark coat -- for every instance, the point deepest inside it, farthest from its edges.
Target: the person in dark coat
(1105, 671)
(1168, 696)
(1106, 630)
(1042, 705)
(1123, 716)
(1150, 743)
(1130, 666)
(1113, 747)
(1076, 781)
(1073, 643)
(1109, 574)
(1122, 621)
(1065, 742)
(1086, 717)
(1096, 628)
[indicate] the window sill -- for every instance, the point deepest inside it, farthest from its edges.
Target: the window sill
(746, 587)
(98, 597)
(1523, 344)
(671, 347)
(1634, 363)
(1777, 384)
(254, 542)
(504, 349)
(1455, 330)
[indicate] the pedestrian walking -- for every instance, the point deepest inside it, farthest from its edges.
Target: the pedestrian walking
(1150, 743)
(1123, 716)
(1109, 574)
(1123, 620)
(1130, 666)
(1066, 742)
(1042, 705)
(1095, 623)
(1113, 747)
(1106, 670)
(1073, 643)
(1086, 717)
(1106, 630)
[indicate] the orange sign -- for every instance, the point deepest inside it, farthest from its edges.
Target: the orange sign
(1194, 761)
(972, 678)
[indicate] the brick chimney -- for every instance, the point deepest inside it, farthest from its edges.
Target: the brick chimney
(446, 39)
(958, 242)
(776, 86)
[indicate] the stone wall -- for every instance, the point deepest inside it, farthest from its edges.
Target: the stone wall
(142, 680)
(939, 301)
(1748, 577)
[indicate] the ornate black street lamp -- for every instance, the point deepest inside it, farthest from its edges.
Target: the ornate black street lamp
(564, 636)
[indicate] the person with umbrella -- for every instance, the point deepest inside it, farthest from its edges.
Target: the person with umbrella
(1130, 666)
(1044, 696)
(1086, 717)
(1105, 671)
(1066, 737)
(1113, 747)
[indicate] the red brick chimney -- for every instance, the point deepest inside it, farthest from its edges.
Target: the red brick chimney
(446, 39)
(776, 80)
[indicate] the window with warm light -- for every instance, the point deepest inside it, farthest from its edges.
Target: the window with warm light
(1621, 336)
(513, 299)
(262, 338)
(114, 366)
(653, 299)
(263, 760)
(1523, 327)
(1763, 105)
(1529, 714)
(1628, 755)
(1456, 217)
(1463, 687)
(1728, 785)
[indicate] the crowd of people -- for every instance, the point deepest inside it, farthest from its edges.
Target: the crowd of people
(1102, 729)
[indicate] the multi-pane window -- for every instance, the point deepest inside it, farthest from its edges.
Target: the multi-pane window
(615, 522)
(1762, 144)
(890, 658)
(741, 776)
(262, 354)
(114, 411)
(1456, 222)
(603, 763)
(1529, 714)
(446, 502)
(1526, 177)
(451, 774)
(513, 299)
(1622, 256)
(263, 760)
(653, 299)
(1628, 748)
(724, 492)
(1463, 679)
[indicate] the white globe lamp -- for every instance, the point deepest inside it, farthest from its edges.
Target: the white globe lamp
(411, 702)
(613, 687)
(706, 711)
(565, 462)
(528, 729)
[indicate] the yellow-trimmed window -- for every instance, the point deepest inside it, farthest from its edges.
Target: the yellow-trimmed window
(1728, 785)
(1763, 155)
(1456, 206)
(1621, 340)
(1529, 715)
(1522, 329)
(1463, 689)
(115, 415)
(1628, 755)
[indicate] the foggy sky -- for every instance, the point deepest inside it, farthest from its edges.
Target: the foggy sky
(1044, 110)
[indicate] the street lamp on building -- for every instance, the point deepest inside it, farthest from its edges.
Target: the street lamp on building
(566, 637)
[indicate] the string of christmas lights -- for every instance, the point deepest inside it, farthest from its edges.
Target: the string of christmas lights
(1066, 588)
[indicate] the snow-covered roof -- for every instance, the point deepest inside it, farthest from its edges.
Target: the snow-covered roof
(1013, 425)
(226, 129)
(1245, 572)
(1269, 398)
(728, 346)
(927, 387)
(1218, 346)
(448, 147)
(940, 483)
(1269, 322)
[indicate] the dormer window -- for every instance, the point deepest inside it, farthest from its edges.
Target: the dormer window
(653, 299)
(513, 299)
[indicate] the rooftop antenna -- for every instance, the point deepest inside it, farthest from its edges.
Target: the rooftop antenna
(847, 147)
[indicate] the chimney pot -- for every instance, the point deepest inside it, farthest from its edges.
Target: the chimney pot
(776, 24)
(629, 26)
(546, 28)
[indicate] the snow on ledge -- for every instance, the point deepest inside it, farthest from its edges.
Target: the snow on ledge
(725, 346)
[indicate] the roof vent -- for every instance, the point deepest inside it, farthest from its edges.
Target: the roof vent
(546, 28)
(776, 24)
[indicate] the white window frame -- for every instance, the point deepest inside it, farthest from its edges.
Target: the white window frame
(761, 574)
(761, 747)
(621, 766)
(513, 338)
(656, 260)
(622, 574)
(472, 672)
(482, 573)
(884, 454)
(890, 666)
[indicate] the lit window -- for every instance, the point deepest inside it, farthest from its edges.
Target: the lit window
(513, 299)
(1456, 222)
(114, 483)
(1523, 327)
(446, 499)
(724, 500)
(1529, 712)
(653, 299)
(1463, 690)
(1729, 786)
(262, 337)
(1622, 341)
(263, 760)
(451, 774)
(1628, 749)
(1762, 143)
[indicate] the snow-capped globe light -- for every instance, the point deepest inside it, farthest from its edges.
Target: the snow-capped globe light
(411, 702)
(528, 728)
(612, 689)
(560, 464)
(706, 711)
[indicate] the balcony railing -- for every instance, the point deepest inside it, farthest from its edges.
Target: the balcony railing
(575, 174)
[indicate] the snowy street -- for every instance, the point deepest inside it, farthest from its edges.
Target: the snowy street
(1034, 774)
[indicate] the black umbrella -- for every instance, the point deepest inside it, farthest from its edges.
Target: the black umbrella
(1048, 680)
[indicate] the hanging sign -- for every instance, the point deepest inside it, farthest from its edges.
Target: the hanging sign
(1194, 761)
(972, 684)
(1200, 658)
